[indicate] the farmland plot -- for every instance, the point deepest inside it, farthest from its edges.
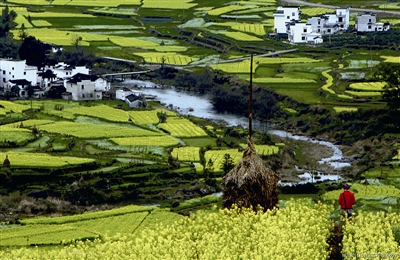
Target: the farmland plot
(43, 160)
(166, 58)
(95, 131)
(187, 154)
(181, 127)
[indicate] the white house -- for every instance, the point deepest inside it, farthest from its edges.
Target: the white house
(84, 87)
(283, 15)
(302, 33)
(121, 94)
(134, 101)
(366, 22)
(65, 71)
(331, 23)
(16, 70)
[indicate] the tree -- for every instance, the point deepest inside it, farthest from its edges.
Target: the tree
(209, 173)
(227, 163)
(390, 74)
(22, 34)
(76, 40)
(33, 51)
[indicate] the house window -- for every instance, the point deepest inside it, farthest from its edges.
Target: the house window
(83, 86)
(83, 95)
(4, 72)
(340, 19)
(369, 20)
(293, 14)
(66, 73)
(4, 80)
(12, 68)
(91, 95)
(305, 30)
(12, 76)
(369, 27)
(329, 30)
(288, 17)
(303, 38)
(319, 22)
(319, 30)
(24, 72)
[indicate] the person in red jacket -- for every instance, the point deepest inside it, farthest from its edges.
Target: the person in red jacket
(346, 201)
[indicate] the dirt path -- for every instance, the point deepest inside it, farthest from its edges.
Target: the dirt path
(299, 2)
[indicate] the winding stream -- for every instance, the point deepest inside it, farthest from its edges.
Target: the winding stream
(198, 105)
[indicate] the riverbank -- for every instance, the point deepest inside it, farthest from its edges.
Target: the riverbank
(301, 157)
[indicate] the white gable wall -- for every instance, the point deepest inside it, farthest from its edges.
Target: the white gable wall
(16, 69)
(84, 90)
(284, 15)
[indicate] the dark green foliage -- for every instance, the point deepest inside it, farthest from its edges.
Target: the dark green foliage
(33, 51)
(389, 73)
(227, 163)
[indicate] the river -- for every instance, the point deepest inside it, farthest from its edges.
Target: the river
(198, 105)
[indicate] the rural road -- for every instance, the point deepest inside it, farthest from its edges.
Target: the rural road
(299, 2)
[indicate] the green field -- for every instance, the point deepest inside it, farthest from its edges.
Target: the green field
(91, 152)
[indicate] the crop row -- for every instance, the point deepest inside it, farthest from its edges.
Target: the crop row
(297, 230)
(282, 80)
(8, 106)
(81, 2)
(181, 127)
(329, 82)
(170, 4)
(187, 154)
(316, 11)
(88, 130)
(391, 59)
(241, 36)
(41, 235)
(363, 93)
(257, 29)
(88, 215)
(366, 191)
(166, 58)
(16, 135)
(367, 86)
(43, 160)
(28, 123)
(163, 141)
(226, 9)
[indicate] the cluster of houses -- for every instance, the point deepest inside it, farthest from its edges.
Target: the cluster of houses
(75, 82)
(287, 22)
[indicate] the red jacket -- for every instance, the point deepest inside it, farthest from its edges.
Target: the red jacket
(346, 200)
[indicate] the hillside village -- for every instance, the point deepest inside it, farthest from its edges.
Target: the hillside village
(287, 22)
(19, 80)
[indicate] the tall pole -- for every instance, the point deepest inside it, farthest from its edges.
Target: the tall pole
(251, 97)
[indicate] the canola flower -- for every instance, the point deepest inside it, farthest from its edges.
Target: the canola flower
(370, 236)
(297, 231)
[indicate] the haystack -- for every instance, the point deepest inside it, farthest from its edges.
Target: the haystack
(250, 183)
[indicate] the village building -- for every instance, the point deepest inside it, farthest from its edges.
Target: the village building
(284, 15)
(366, 22)
(331, 23)
(13, 71)
(302, 33)
(85, 87)
(132, 97)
